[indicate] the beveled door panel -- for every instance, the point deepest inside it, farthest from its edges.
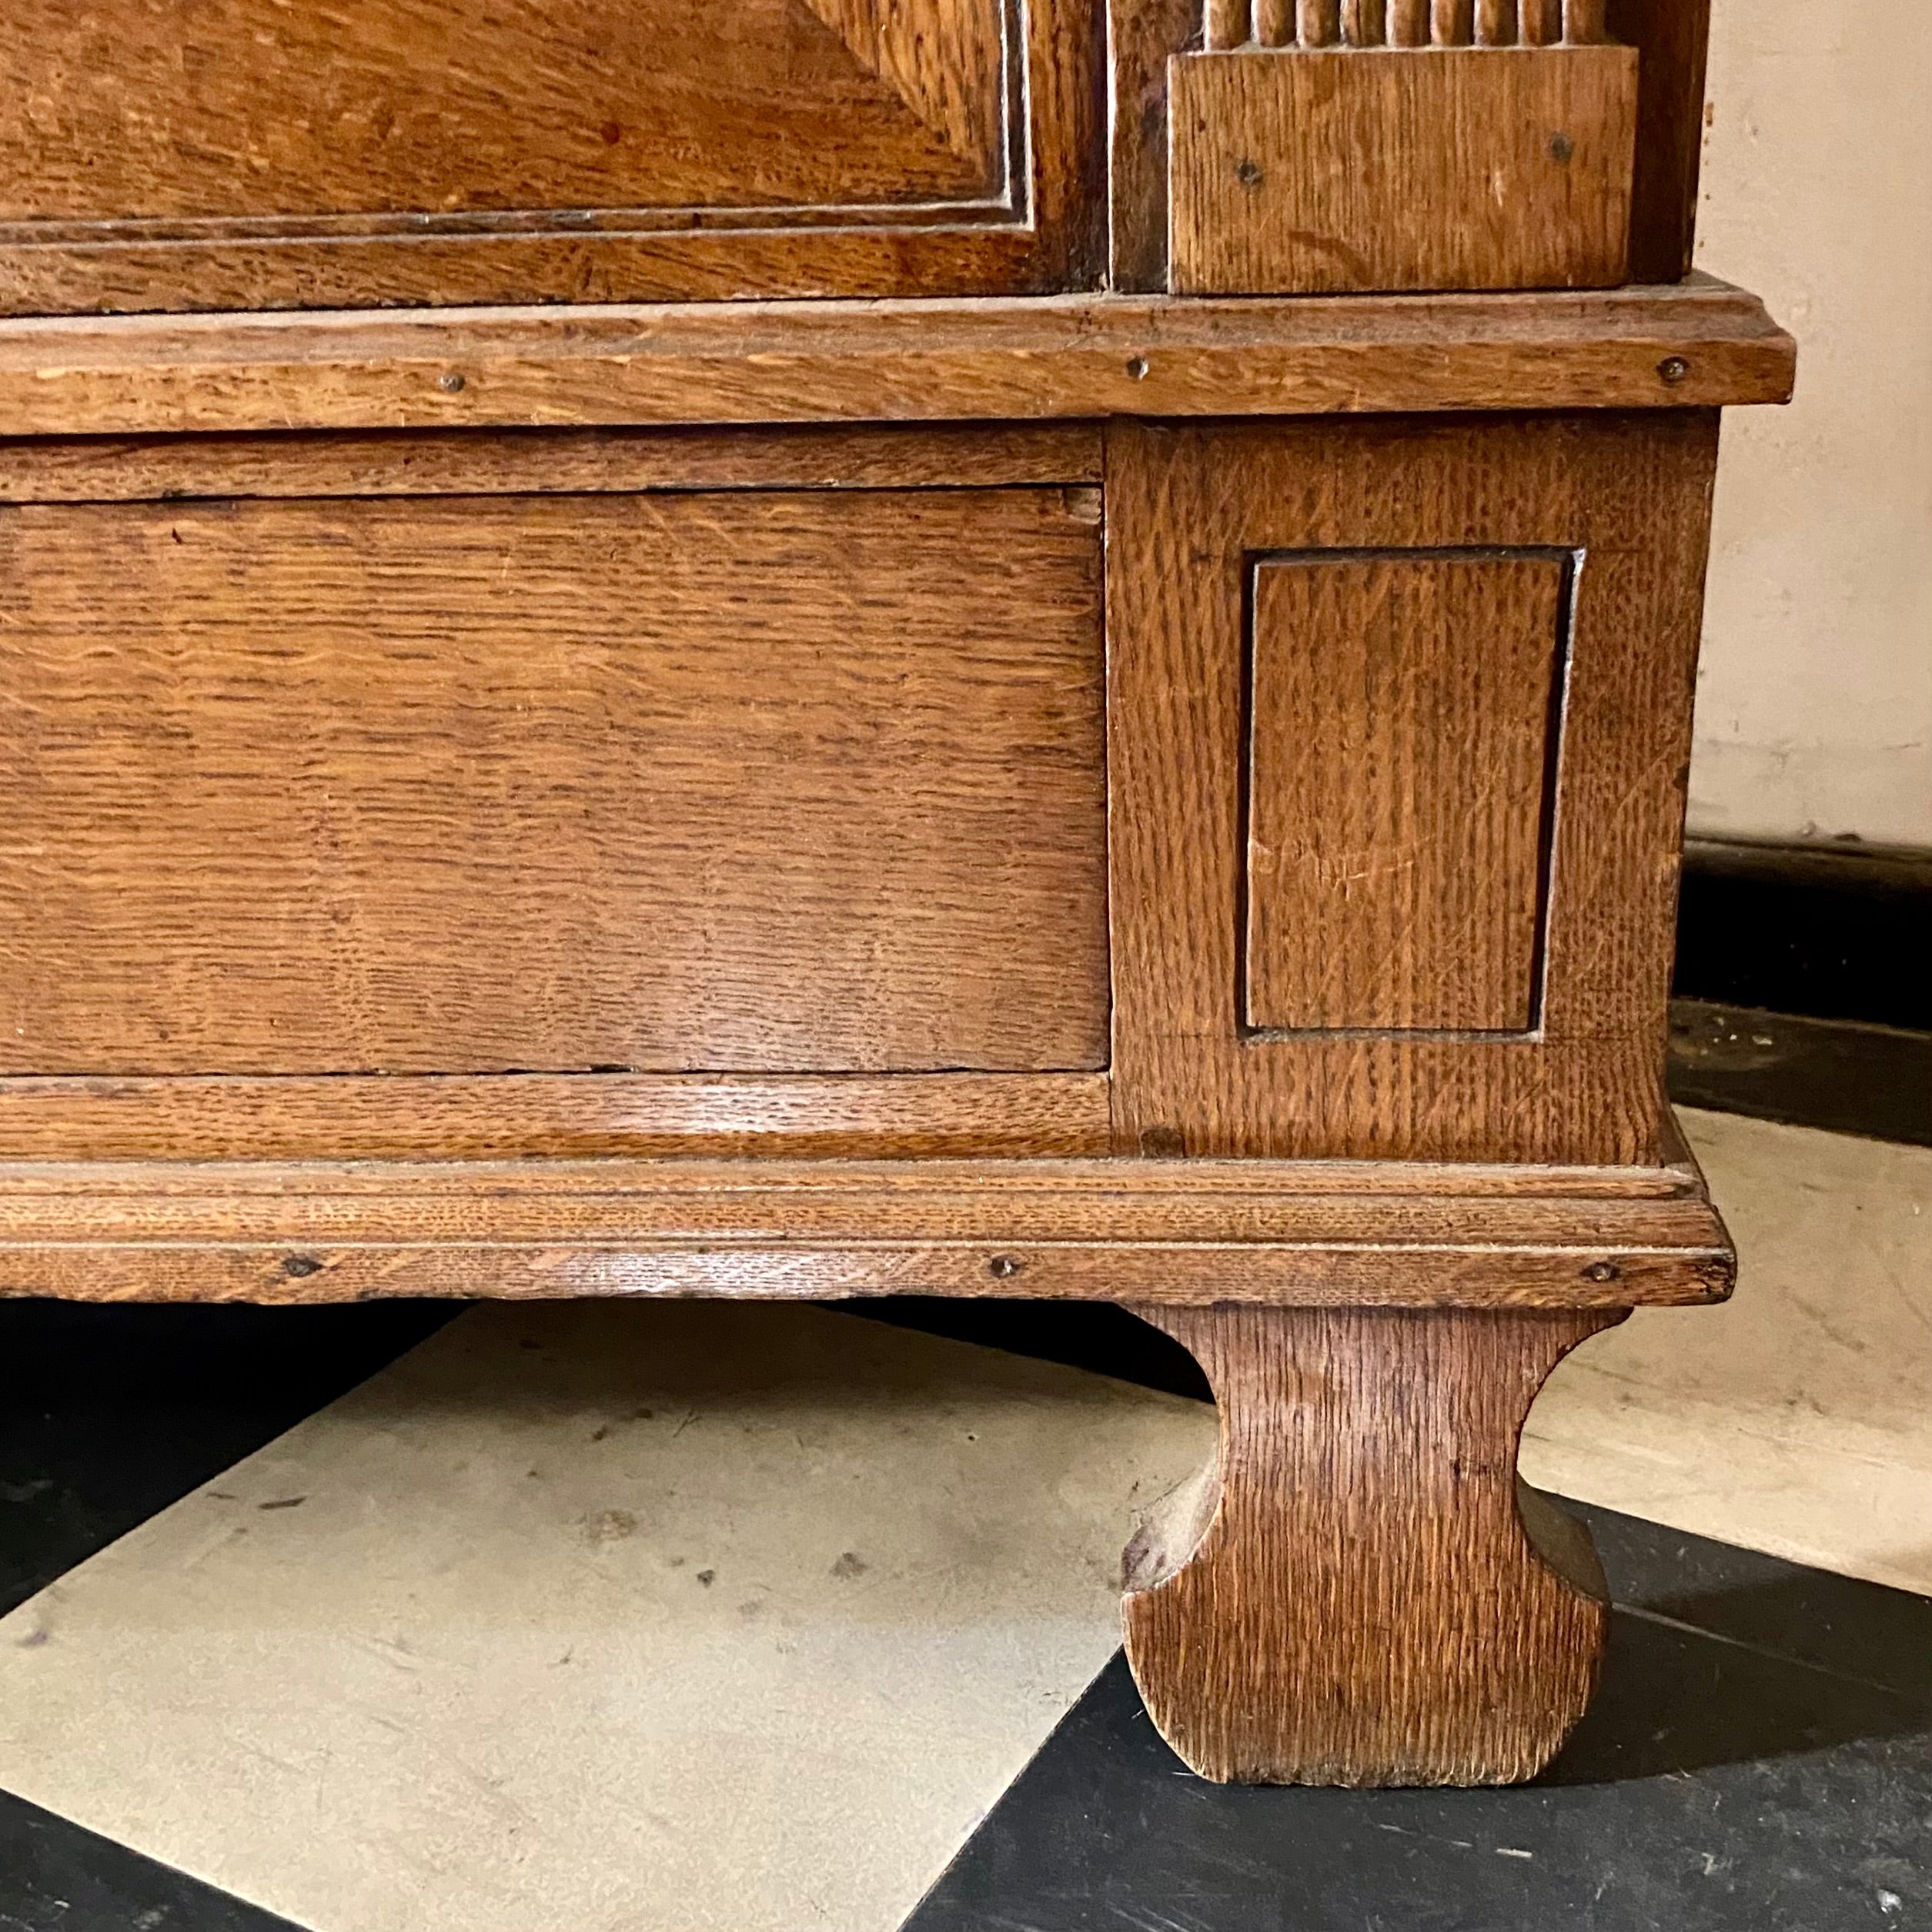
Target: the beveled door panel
(249, 153)
(252, 111)
(792, 782)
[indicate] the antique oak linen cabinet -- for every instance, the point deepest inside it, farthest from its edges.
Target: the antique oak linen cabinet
(820, 647)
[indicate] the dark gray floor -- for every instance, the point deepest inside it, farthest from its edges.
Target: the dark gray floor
(55, 1877)
(1760, 1758)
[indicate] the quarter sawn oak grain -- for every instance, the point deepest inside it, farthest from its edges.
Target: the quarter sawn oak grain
(244, 154)
(1308, 1234)
(1398, 789)
(1447, 168)
(1189, 506)
(592, 798)
(1350, 1596)
(794, 782)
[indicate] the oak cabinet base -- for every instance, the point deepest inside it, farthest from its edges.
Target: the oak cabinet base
(528, 796)
(1355, 1593)
(1220, 867)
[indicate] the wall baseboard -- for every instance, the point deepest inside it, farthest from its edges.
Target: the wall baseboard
(1838, 1074)
(1828, 932)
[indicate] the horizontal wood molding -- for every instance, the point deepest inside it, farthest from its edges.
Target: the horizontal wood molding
(383, 152)
(459, 463)
(1306, 1233)
(1700, 345)
(784, 782)
(499, 1116)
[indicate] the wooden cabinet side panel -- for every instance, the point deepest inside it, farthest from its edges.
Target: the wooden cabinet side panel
(1188, 509)
(1671, 38)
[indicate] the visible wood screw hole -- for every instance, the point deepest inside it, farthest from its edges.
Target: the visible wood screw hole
(1673, 370)
(1003, 1267)
(1249, 174)
(301, 1266)
(1562, 147)
(1137, 368)
(450, 384)
(612, 133)
(1603, 1271)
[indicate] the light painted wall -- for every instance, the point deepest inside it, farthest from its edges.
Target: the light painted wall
(1814, 714)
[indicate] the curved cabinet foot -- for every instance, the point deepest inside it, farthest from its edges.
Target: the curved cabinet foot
(1351, 1594)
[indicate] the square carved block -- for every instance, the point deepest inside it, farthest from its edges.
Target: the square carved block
(1305, 172)
(1401, 784)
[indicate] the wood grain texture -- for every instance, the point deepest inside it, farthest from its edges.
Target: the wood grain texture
(1188, 507)
(944, 61)
(1351, 1596)
(404, 152)
(1142, 36)
(1408, 23)
(1398, 774)
(1698, 345)
(1495, 23)
(1583, 22)
(783, 783)
(1227, 23)
(1318, 23)
(250, 111)
(446, 1117)
(1273, 23)
(460, 462)
(1311, 1234)
(1365, 23)
(1672, 38)
(1473, 168)
(1541, 22)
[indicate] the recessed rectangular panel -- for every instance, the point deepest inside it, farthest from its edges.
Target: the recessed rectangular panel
(262, 154)
(243, 109)
(1398, 789)
(797, 782)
